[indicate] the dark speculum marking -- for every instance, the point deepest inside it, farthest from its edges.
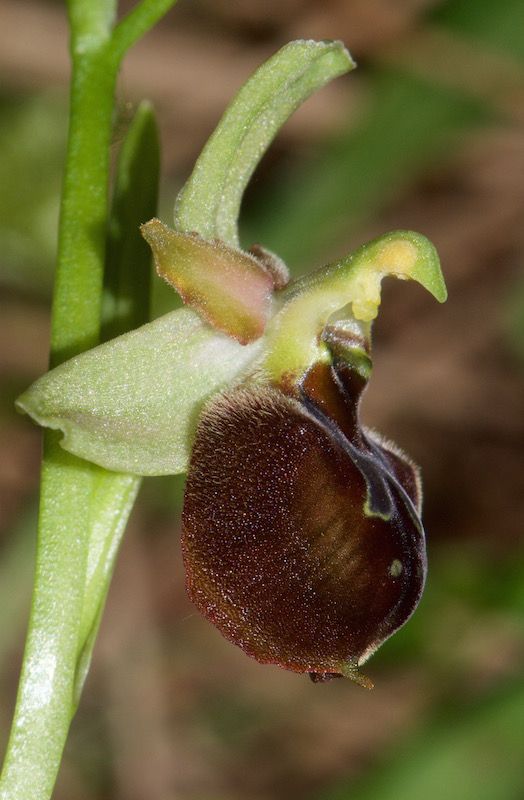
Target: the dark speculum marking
(279, 549)
(332, 394)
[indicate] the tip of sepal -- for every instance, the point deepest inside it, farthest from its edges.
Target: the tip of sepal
(337, 46)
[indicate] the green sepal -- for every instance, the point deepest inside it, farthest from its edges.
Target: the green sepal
(132, 404)
(209, 203)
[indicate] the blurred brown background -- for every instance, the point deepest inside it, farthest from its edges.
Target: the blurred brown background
(427, 134)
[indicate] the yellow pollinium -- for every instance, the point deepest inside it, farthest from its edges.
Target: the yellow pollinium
(397, 257)
(366, 298)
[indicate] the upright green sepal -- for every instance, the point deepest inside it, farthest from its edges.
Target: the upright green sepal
(209, 203)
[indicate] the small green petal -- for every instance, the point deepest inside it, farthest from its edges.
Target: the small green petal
(230, 289)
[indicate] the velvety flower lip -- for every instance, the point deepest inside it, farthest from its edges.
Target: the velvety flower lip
(299, 541)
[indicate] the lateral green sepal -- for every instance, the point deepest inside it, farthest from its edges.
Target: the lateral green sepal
(209, 203)
(132, 404)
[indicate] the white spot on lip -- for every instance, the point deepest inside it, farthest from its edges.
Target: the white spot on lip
(395, 568)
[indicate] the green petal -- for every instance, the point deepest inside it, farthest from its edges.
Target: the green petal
(132, 404)
(230, 289)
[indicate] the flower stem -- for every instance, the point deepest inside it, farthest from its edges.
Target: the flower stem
(77, 297)
(83, 509)
(137, 22)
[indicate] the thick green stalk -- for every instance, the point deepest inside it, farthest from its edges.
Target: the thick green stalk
(45, 699)
(80, 268)
(83, 509)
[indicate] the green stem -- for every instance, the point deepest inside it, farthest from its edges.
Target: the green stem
(137, 22)
(83, 509)
(82, 235)
(90, 22)
(44, 703)
(45, 699)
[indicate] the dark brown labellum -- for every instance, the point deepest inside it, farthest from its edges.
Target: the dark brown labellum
(301, 534)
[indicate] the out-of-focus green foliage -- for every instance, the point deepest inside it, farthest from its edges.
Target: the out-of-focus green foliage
(499, 25)
(515, 316)
(474, 754)
(16, 573)
(32, 140)
(409, 124)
